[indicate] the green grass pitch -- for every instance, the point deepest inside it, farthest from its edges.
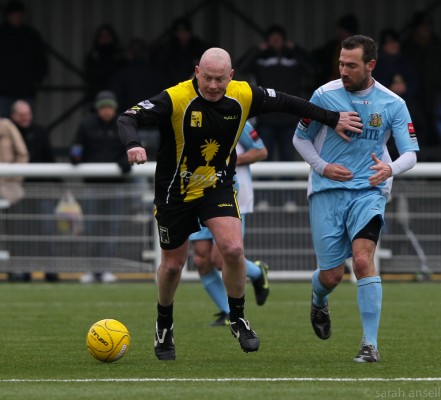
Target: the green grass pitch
(44, 354)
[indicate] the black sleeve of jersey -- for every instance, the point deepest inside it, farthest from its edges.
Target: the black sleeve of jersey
(269, 100)
(146, 113)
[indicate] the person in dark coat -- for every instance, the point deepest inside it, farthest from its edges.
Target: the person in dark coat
(103, 60)
(139, 78)
(178, 56)
(23, 63)
(97, 141)
(280, 64)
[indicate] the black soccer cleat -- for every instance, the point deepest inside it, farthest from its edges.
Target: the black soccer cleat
(367, 354)
(321, 321)
(242, 331)
(223, 319)
(261, 285)
(164, 344)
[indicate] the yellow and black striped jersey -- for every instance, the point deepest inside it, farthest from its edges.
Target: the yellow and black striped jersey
(198, 137)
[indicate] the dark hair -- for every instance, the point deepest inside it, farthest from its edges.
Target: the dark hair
(109, 28)
(366, 43)
(138, 48)
(182, 23)
(14, 6)
(389, 35)
(275, 29)
(349, 23)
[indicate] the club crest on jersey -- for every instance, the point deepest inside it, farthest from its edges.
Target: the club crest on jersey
(375, 120)
(196, 119)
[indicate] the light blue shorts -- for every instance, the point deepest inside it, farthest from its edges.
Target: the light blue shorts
(336, 216)
(205, 233)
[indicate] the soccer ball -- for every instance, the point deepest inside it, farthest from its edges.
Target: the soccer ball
(108, 340)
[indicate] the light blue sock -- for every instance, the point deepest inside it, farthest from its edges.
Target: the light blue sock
(370, 295)
(253, 270)
(215, 288)
(319, 292)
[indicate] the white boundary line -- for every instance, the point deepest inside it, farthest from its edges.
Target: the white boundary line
(428, 379)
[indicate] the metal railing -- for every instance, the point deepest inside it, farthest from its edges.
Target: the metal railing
(110, 227)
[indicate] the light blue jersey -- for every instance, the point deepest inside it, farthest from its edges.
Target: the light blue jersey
(383, 114)
(248, 140)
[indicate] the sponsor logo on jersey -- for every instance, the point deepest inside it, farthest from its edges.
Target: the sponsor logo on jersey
(130, 112)
(231, 117)
(146, 105)
(163, 234)
(304, 124)
(254, 135)
(225, 205)
(375, 120)
(196, 119)
(271, 92)
(412, 132)
(365, 102)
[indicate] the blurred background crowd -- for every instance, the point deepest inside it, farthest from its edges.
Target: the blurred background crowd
(57, 89)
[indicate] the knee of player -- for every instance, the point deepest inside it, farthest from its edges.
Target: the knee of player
(202, 264)
(173, 268)
(332, 277)
(362, 263)
(233, 252)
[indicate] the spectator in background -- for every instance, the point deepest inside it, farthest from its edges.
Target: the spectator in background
(395, 71)
(23, 64)
(282, 65)
(139, 79)
(97, 141)
(181, 53)
(104, 59)
(12, 150)
(40, 151)
(423, 48)
(326, 57)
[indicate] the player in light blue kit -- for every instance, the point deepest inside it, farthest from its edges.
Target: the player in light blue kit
(350, 182)
(206, 259)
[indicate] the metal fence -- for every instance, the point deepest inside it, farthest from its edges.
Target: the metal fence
(75, 227)
(72, 226)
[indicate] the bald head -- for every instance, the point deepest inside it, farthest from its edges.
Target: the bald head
(215, 58)
(21, 114)
(213, 73)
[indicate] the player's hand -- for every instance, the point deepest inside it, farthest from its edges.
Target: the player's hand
(349, 121)
(384, 171)
(137, 155)
(337, 172)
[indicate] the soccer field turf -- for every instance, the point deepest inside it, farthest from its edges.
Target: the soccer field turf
(44, 354)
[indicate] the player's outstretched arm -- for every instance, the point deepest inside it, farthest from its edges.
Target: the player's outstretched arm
(349, 121)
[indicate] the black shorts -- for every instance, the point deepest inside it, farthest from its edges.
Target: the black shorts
(176, 222)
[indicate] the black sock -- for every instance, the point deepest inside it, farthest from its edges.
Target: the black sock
(236, 308)
(165, 316)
